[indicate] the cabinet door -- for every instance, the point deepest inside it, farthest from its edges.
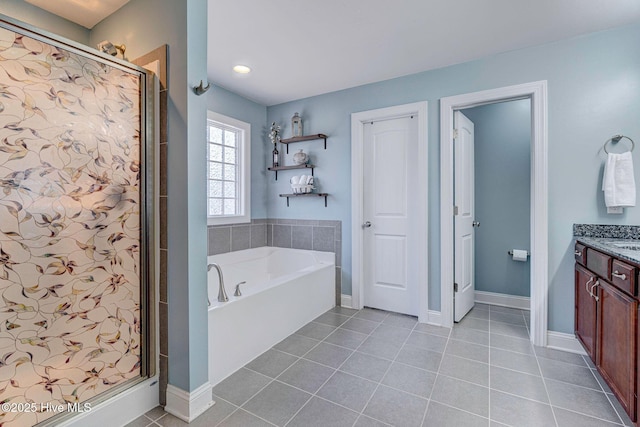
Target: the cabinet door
(617, 335)
(585, 313)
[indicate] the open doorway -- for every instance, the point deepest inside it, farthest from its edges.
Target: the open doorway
(492, 181)
(535, 93)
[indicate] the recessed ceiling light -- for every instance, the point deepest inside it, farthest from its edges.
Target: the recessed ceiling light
(242, 69)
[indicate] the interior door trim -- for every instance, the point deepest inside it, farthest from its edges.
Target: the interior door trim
(418, 109)
(537, 92)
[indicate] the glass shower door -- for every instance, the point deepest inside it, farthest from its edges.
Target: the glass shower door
(73, 235)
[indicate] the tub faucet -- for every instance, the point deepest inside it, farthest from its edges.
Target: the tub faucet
(238, 293)
(222, 294)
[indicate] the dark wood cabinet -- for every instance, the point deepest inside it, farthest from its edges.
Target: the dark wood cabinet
(606, 320)
(585, 314)
(616, 353)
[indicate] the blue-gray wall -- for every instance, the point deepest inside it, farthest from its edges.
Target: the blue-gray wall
(228, 103)
(502, 195)
(25, 12)
(593, 84)
(144, 25)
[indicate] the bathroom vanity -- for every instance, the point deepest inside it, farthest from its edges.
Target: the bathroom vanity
(606, 312)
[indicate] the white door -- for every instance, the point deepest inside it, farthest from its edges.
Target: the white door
(391, 250)
(464, 221)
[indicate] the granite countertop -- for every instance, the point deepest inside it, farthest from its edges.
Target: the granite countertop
(620, 248)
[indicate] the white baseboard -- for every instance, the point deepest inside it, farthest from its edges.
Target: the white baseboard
(512, 301)
(435, 318)
(120, 409)
(188, 406)
(345, 301)
(564, 342)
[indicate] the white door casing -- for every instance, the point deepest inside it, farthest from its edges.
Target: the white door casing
(464, 220)
(390, 252)
(418, 200)
(537, 92)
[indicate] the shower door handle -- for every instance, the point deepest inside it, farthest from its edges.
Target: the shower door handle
(367, 224)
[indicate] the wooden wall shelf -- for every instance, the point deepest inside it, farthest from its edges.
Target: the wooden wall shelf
(286, 168)
(304, 138)
(306, 195)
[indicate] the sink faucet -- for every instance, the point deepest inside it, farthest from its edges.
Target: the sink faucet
(222, 294)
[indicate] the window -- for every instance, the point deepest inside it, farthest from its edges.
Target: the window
(228, 170)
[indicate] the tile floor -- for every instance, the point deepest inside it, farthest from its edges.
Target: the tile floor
(373, 368)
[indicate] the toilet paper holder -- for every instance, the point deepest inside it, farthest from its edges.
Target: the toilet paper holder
(511, 253)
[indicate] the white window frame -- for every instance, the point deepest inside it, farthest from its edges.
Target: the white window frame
(244, 170)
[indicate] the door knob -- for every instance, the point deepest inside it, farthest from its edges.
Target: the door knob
(366, 224)
(475, 223)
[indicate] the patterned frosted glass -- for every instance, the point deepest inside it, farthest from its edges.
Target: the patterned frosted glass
(215, 170)
(215, 152)
(230, 189)
(215, 135)
(215, 206)
(223, 169)
(215, 188)
(229, 206)
(230, 138)
(230, 155)
(70, 234)
(230, 172)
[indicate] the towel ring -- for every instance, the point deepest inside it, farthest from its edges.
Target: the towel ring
(615, 139)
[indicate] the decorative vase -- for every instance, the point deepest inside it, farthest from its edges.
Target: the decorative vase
(300, 158)
(296, 125)
(276, 157)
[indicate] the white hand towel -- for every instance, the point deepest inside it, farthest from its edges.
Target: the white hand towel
(618, 182)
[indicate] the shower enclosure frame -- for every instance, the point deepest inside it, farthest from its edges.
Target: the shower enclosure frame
(148, 243)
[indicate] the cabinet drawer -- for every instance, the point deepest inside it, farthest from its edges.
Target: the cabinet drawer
(580, 254)
(599, 263)
(623, 276)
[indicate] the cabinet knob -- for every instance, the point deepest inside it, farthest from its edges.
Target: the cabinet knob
(619, 276)
(366, 224)
(577, 253)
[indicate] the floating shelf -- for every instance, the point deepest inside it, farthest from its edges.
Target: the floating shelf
(306, 195)
(304, 138)
(286, 168)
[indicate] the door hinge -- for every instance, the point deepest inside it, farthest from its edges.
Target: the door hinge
(455, 287)
(455, 133)
(455, 210)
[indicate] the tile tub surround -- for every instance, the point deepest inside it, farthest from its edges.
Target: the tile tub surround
(317, 235)
(370, 368)
(607, 231)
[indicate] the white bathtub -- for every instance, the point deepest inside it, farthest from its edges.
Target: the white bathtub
(285, 289)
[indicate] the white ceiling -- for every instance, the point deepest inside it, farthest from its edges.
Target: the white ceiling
(83, 12)
(301, 48)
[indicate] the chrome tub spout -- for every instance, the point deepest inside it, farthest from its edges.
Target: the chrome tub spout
(222, 294)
